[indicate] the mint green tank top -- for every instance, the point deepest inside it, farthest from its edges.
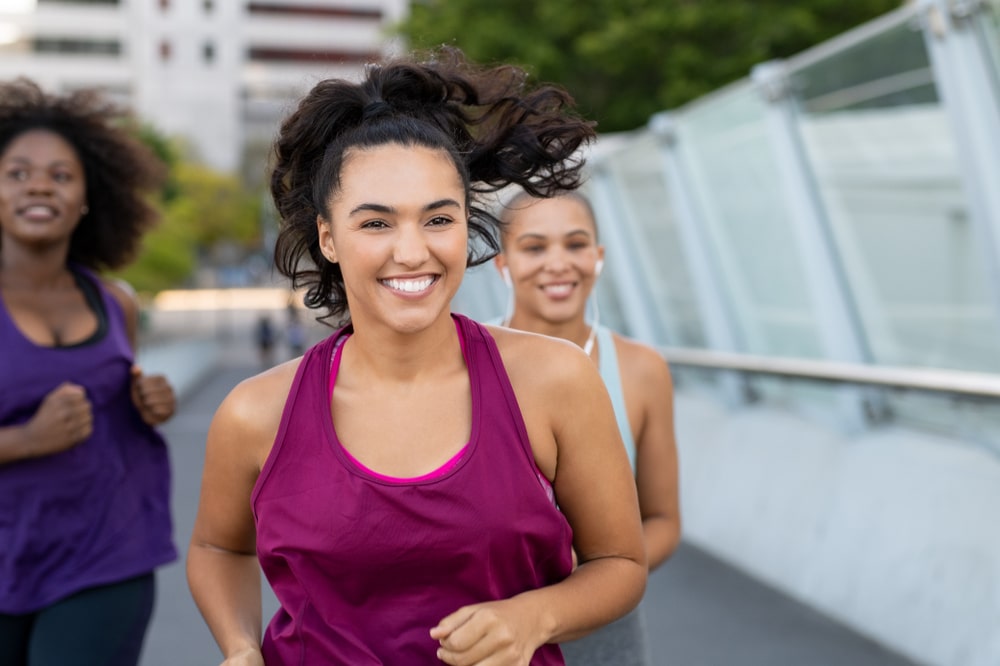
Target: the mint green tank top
(608, 366)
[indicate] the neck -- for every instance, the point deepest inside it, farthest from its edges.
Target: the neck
(390, 355)
(577, 330)
(47, 270)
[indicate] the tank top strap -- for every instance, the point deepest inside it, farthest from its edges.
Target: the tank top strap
(109, 312)
(611, 375)
(482, 352)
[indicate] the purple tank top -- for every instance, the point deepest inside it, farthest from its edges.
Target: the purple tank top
(99, 512)
(364, 566)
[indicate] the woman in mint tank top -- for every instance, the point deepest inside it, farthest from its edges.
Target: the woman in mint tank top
(550, 261)
(84, 476)
(399, 483)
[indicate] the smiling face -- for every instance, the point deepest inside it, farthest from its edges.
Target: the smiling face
(42, 190)
(399, 230)
(551, 252)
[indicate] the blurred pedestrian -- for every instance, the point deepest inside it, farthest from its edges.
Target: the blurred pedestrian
(264, 337)
(551, 260)
(84, 476)
(400, 481)
(295, 333)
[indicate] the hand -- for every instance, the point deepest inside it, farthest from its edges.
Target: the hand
(153, 396)
(247, 657)
(63, 420)
(491, 634)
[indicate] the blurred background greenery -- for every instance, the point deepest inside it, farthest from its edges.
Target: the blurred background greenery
(209, 219)
(625, 60)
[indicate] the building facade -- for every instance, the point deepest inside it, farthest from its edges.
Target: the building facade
(218, 74)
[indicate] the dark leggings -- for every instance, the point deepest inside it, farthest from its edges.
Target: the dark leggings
(99, 626)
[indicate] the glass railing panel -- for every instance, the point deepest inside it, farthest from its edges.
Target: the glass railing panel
(987, 26)
(637, 170)
(887, 171)
(734, 177)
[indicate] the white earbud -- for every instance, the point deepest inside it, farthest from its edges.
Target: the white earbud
(505, 272)
(598, 267)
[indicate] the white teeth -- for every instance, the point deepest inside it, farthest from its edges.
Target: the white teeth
(38, 211)
(409, 286)
(558, 289)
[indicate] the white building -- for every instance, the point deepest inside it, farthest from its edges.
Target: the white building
(218, 73)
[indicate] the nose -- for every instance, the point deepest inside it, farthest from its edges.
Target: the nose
(557, 260)
(410, 249)
(38, 181)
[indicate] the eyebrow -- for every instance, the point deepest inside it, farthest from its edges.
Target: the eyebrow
(382, 208)
(535, 236)
(25, 160)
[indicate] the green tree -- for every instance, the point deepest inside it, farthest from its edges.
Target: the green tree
(624, 60)
(201, 210)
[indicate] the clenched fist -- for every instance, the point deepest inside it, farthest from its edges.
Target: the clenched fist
(63, 420)
(153, 396)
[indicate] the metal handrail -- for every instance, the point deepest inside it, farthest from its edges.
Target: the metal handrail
(956, 382)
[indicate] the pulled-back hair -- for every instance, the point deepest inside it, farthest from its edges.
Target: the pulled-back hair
(496, 129)
(119, 169)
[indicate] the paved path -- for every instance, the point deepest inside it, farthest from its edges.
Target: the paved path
(699, 612)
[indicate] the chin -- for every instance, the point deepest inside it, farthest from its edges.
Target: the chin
(414, 322)
(561, 314)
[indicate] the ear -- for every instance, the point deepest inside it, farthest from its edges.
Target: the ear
(326, 239)
(600, 261)
(501, 263)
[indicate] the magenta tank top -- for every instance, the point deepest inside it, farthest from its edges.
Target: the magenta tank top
(364, 565)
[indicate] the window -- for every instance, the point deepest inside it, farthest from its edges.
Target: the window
(81, 2)
(105, 47)
(314, 11)
(310, 57)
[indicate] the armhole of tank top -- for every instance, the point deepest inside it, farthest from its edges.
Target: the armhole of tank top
(515, 410)
(286, 413)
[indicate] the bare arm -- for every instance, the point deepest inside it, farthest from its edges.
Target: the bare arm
(649, 385)
(222, 567)
(572, 428)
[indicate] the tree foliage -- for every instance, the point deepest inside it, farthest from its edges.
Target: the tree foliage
(624, 60)
(201, 209)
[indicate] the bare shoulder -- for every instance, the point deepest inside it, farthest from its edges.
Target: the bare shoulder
(641, 362)
(250, 414)
(542, 361)
(122, 292)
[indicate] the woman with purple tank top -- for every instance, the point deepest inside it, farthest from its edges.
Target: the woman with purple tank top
(399, 483)
(84, 477)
